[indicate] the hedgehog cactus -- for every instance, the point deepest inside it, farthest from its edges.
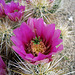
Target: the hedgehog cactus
(31, 37)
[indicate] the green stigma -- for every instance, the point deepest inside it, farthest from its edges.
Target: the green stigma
(15, 10)
(36, 40)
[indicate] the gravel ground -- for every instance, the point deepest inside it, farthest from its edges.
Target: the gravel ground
(67, 15)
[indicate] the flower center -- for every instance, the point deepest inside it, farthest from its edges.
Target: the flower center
(36, 45)
(15, 10)
(36, 48)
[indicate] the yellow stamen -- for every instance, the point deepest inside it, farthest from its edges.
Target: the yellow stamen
(15, 10)
(36, 48)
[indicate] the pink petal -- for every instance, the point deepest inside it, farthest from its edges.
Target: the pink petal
(16, 41)
(19, 51)
(18, 33)
(3, 2)
(29, 55)
(2, 71)
(53, 50)
(49, 32)
(60, 48)
(56, 50)
(56, 42)
(2, 64)
(56, 34)
(30, 22)
(39, 27)
(40, 57)
(26, 31)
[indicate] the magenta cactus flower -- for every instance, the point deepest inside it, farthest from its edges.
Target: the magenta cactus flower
(36, 41)
(2, 6)
(51, 1)
(2, 67)
(14, 11)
